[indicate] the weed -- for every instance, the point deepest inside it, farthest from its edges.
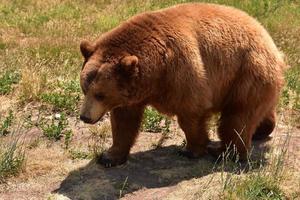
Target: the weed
(56, 128)
(7, 80)
(4, 127)
(154, 122)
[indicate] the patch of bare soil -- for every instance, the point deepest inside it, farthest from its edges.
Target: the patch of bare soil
(150, 173)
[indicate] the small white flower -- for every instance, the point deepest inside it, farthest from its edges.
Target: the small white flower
(57, 116)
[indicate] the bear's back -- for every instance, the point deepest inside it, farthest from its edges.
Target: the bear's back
(222, 33)
(215, 23)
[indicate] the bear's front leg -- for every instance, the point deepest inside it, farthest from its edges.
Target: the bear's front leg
(125, 123)
(194, 127)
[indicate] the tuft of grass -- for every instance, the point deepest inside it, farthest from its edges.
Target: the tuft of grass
(155, 122)
(5, 125)
(12, 160)
(7, 80)
(256, 187)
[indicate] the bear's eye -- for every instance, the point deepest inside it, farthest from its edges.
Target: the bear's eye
(99, 96)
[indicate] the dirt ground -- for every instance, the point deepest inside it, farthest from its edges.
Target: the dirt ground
(150, 173)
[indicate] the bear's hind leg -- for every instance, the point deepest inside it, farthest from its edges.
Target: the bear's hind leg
(195, 130)
(235, 131)
(125, 122)
(240, 119)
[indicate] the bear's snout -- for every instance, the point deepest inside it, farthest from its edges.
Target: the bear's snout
(85, 119)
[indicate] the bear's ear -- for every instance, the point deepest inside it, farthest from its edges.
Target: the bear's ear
(86, 49)
(129, 64)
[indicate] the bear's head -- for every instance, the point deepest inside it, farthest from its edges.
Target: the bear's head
(106, 80)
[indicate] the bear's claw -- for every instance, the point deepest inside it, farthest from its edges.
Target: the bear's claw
(105, 160)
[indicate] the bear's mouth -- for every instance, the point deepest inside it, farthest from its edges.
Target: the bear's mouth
(99, 119)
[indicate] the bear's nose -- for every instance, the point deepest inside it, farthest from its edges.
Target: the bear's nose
(85, 119)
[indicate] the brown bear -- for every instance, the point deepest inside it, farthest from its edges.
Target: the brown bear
(191, 60)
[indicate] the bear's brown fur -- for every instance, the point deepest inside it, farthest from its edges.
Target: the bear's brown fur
(190, 60)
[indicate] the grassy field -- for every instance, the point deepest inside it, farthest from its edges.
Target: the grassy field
(40, 96)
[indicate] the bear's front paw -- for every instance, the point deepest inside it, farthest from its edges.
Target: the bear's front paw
(189, 154)
(107, 160)
(215, 149)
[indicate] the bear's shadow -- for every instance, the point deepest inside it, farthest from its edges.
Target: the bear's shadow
(155, 168)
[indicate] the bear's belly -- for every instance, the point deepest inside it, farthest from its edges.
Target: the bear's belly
(164, 108)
